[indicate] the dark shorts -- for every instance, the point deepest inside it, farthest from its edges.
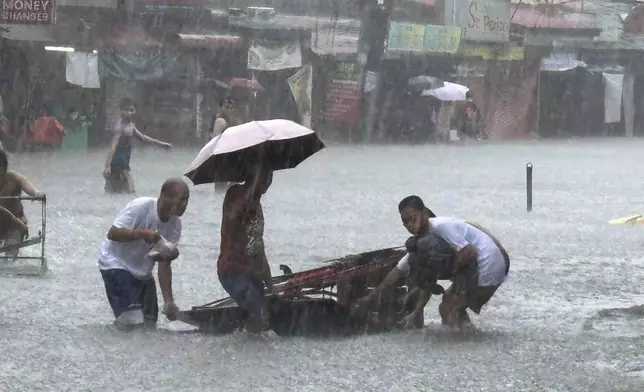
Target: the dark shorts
(125, 292)
(246, 289)
(465, 285)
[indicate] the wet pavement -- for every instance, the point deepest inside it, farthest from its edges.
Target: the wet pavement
(542, 331)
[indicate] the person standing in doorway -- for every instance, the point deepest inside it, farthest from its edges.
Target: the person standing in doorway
(117, 173)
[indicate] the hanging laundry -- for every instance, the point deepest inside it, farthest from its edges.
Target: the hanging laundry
(82, 69)
(613, 97)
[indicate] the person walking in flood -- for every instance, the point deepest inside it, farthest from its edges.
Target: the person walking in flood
(242, 266)
(124, 260)
(13, 221)
(227, 116)
(117, 173)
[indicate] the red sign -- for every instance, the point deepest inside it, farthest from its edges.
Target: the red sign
(342, 101)
(27, 11)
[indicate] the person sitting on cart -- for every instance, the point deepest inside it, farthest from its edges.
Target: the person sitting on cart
(123, 262)
(242, 266)
(13, 224)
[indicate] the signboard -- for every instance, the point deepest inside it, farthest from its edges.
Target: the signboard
(483, 20)
(408, 37)
(266, 56)
(343, 94)
(27, 12)
(301, 85)
(508, 53)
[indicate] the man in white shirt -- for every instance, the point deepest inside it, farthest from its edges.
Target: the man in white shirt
(474, 247)
(478, 268)
(123, 261)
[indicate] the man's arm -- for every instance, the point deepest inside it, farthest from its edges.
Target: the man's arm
(164, 274)
(391, 279)
(27, 186)
(124, 228)
(18, 223)
(124, 234)
(170, 309)
(423, 299)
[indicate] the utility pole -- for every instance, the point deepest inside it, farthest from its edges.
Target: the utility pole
(375, 16)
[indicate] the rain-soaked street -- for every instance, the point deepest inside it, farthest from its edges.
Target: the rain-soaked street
(540, 333)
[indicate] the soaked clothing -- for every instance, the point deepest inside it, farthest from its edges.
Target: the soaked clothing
(459, 234)
(125, 292)
(120, 164)
(242, 249)
(242, 236)
(246, 289)
(433, 260)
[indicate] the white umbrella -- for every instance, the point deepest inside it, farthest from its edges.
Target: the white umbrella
(449, 92)
(283, 144)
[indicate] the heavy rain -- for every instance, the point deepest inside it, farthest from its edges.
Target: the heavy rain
(218, 195)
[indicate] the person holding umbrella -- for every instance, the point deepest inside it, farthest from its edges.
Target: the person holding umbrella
(247, 155)
(242, 266)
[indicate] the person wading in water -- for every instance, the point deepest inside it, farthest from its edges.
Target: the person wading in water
(242, 266)
(117, 173)
(227, 116)
(13, 224)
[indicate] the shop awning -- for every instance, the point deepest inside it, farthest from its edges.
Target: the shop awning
(87, 3)
(212, 41)
(30, 33)
(560, 61)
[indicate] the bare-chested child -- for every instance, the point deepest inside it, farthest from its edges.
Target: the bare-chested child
(242, 266)
(13, 222)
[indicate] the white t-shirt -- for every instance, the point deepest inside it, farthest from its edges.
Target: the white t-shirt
(459, 234)
(140, 213)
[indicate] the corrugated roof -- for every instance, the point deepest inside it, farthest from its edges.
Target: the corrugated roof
(552, 18)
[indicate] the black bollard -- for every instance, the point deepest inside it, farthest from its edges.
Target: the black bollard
(528, 185)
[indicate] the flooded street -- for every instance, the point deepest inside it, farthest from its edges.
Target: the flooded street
(541, 332)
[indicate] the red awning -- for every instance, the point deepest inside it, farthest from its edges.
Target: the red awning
(213, 41)
(538, 18)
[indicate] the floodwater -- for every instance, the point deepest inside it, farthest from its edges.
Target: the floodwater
(542, 331)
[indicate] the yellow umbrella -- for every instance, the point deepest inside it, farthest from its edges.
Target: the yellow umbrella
(627, 220)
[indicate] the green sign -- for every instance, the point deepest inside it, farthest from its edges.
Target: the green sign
(408, 37)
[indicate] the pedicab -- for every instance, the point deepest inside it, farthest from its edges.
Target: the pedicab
(30, 241)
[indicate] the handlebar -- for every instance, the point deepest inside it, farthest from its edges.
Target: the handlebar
(32, 198)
